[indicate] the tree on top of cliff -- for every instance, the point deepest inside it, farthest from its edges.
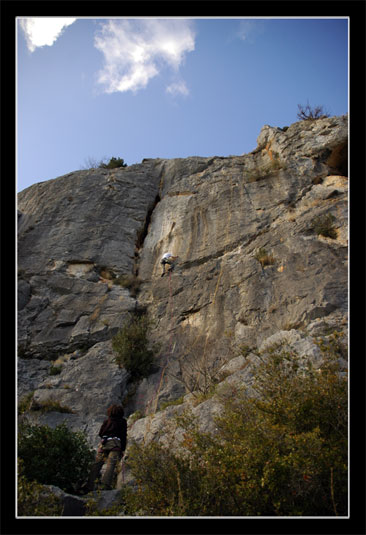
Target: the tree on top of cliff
(113, 163)
(310, 113)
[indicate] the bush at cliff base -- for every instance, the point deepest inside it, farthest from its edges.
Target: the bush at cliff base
(131, 346)
(35, 499)
(56, 456)
(282, 452)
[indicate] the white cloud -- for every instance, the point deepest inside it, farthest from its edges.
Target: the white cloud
(178, 88)
(43, 30)
(136, 50)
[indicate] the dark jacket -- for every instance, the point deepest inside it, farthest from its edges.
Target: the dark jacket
(115, 427)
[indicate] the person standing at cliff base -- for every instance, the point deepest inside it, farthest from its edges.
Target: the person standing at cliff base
(113, 434)
(169, 259)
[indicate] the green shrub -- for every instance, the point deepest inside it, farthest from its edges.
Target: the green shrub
(166, 483)
(51, 405)
(171, 403)
(35, 499)
(113, 163)
(55, 370)
(25, 403)
(131, 345)
(92, 509)
(136, 416)
(280, 453)
(324, 225)
(57, 456)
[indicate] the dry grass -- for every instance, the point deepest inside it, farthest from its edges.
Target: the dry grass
(264, 258)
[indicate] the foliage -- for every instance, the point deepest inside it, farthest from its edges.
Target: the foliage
(264, 258)
(25, 403)
(276, 162)
(324, 225)
(131, 345)
(104, 163)
(113, 163)
(92, 509)
(34, 499)
(166, 483)
(310, 113)
(55, 370)
(131, 282)
(135, 416)
(263, 172)
(56, 456)
(50, 405)
(245, 350)
(171, 403)
(281, 451)
(197, 370)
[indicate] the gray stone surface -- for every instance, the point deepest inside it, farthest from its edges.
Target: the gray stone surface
(86, 386)
(78, 233)
(72, 230)
(217, 217)
(76, 506)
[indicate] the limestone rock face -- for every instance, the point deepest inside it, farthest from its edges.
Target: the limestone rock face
(218, 217)
(73, 230)
(83, 390)
(251, 264)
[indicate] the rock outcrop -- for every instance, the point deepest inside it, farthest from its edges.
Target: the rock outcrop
(252, 266)
(78, 506)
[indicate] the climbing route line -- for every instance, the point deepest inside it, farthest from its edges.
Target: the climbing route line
(154, 399)
(227, 230)
(170, 351)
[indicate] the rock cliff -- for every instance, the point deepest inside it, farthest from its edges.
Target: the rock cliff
(253, 269)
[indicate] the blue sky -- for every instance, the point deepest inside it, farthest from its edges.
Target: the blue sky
(89, 89)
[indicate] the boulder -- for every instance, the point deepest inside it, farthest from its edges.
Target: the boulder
(77, 506)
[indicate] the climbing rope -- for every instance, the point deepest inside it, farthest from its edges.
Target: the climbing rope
(170, 342)
(170, 309)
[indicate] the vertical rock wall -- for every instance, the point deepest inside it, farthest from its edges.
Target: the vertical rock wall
(251, 263)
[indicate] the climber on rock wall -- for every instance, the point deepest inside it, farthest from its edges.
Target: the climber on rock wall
(169, 259)
(113, 433)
